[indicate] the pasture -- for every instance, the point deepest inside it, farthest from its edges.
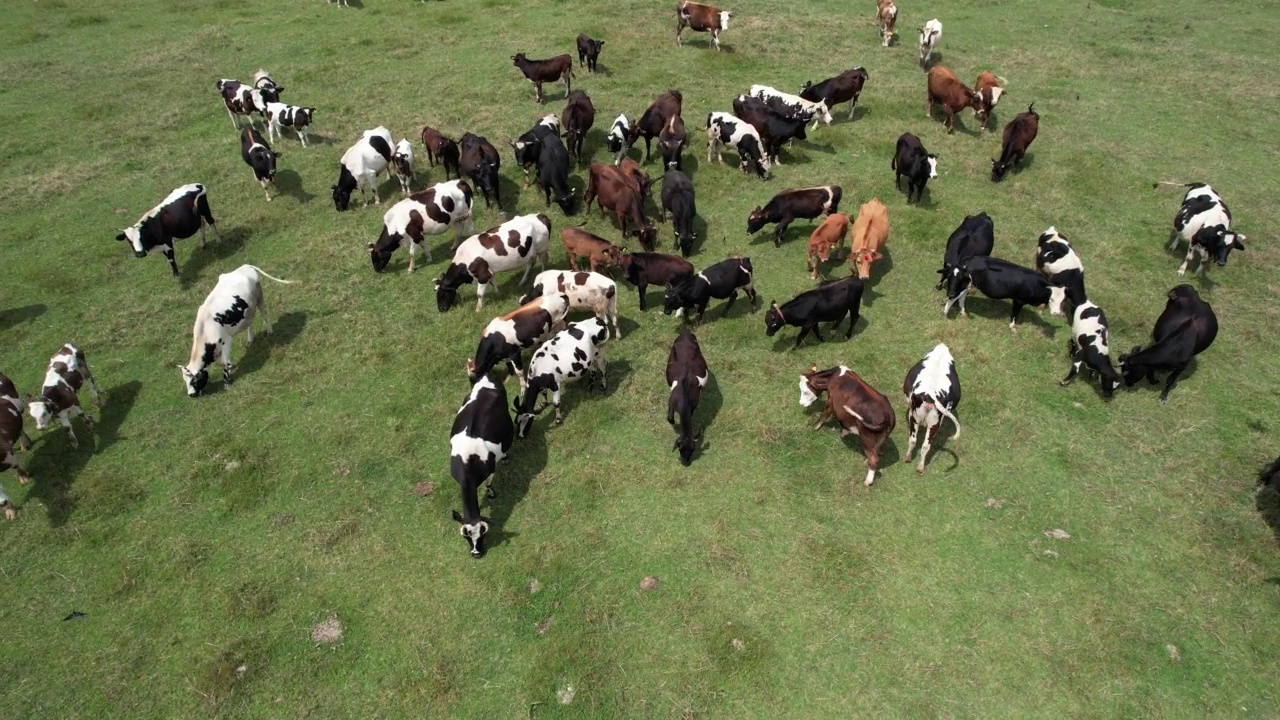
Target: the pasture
(204, 539)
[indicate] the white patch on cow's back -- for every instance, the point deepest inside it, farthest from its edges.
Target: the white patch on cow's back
(1082, 326)
(464, 446)
(935, 375)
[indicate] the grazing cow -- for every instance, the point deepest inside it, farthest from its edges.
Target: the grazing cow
(59, 398)
(1204, 223)
(537, 72)
(177, 217)
(829, 303)
(11, 433)
(718, 282)
(578, 117)
(671, 141)
(226, 311)
(845, 87)
(788, 205)
(930, 34)
(528, 147)
(1270, 475)
(825, 241)
(725, 130)
(1018, 135)
(616, 140)
(932, 388)
(945, 89)
(553, 174)
(265, 84)
(886, 19)
(857, 406)
(789, 104)
(600, 253)
(1058, 262)
(573, 352)
(773, 127)
(1185, 329)
(402, 164)
(240, 99)
(1002, 280)
(678, 198)
(589, 52)
(636, 177)
(505, 336)
(480, 162)
(870, 233)
(987, 86)
(613, 190)
(585, 290)
(687, 374)
(258, 156)
(513, 244)
(975, 236)
(429, 212)
(1088, 346)
(645, 269)
(442, 148)
(360, 166)
(912, 160)
(701, 18)
(280, 116)
(481, 437)
(654, 119)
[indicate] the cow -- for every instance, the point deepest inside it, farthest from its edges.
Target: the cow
(845, 87)
(360, 166)
(932, 388)
(226, 311)
(1270, 475)
(179, 216)
(975, 236)
(280, 116)
(402, 165)
(266, 85)
(600, 253)
(429, 212)
(1204, 223)
(671, 141)
(552, 69)
(528, 147)
(945, 89)
(589, 52)
(505, 336)
(1018, 135)
(870, 233)
(480, 162)
(578, 117)
(441, 148)
(1185, 329)
(857, 406)
(259, 157)
(773, 127)
(611, 189)
(59, 396)
(1002, 280)
(240, 99)
(687, 374)
(645, 269)
(1088, 346)
(513, 244)
(654, 119)
(792, 104)
(718, 282)
(930, 33)
(553, 174)
(826, 241)
(886, 19)
(1057, 261)
(585, 290)
(12, 406)
(829, 303)
(481, 437)
(616, 140)
(725, 130)
(678, 198)
(701, 18)
(989, 91)
(636, 177)
(573, 352)
(912, 160)
(792, 204)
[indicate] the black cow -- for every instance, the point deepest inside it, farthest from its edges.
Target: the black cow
(481, 437)
(1002, 280)
(553, 173)
(643, 269)
(528, 147)
(577, 117)
(686, 376)
(677, 197)
(1089, 346)
(719, 281)
(975, 236)
(1185, 329)
(912, 160)
(830, 302)
(259, 157)
(177, 217)
(788, 205)
(774, 127)
(480, 162)
(845, 87)
(589, 51)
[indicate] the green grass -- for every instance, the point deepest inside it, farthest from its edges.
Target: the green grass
(204, 539)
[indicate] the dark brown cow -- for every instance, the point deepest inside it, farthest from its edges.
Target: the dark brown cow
(600, 253)
(645, 269)
(11, 433)
(589, 51)
(441, 147)
(614, 191)
(945, 89)
(1018, 135)
(857, 406)
(577, 118)
(686, 375)
(559, 67)
(671, 141)
(989, 91)
(655, 118)
(481, 163)
(701, 18)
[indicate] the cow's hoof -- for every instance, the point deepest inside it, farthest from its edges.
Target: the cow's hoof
(10, 513)
(920, 470)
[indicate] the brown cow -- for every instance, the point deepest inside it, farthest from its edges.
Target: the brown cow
(989, 91)
(615, 191)
(870, 231)
(600, 253)
(887, 17)
(1018, 134)
(559, 67)
(441, 148)
(945, 89)
(826, 237)
(701, 18)
(639, 180)
(655, 118)
(11, 407)
(857, 406)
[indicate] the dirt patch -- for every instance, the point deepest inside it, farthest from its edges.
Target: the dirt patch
(649, 583)
(1057, 534)
(328, 631)
(424, 489)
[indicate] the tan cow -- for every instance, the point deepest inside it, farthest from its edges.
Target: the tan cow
(826, 237)
(870, 232)
(887, 17)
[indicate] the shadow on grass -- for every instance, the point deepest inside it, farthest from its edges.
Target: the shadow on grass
(1267, 501)
(1000, 309)
(879, 269)
(16, 316)
(284, 331)
(231, 243)
(289, 183)
(527, 458)
(830, 333)
(1162, 377)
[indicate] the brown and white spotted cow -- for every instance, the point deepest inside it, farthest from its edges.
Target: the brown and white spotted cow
(11, 433)
(68, 371)
(887, 18)
(701, 18)
(857, 406)
(585, 290)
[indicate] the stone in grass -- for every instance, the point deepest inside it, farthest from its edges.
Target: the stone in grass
(995, 503)
(565, 693)
(424, 489)
(534, 586)
(1174, 654)
(649, 583)
(543, 626)
(328, 631)
(1057, 534)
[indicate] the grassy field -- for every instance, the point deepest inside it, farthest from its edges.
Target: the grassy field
(204, 539)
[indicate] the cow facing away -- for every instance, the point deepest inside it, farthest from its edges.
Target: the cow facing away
(859, 408)
(180, 215)
(701, 18)
(975, 236)
(59, 395)
(1018, 135)
(1057, 261)
(687, 374)
(1089, 347)
(514, 244)
(11, 433)
(828, 303)
(538, 72)
(932, 388)
(481, 436)
(228, 310)
(578, 117)
(429, 212)
(678, 198)
(576, 351)
(870, 233)
(589, 291)
(917, 164)
(616, 140)
(1204, 223)
(359, 167)
(1186, 328)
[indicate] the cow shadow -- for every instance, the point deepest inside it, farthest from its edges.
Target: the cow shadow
(289, 183)
(16, 316)
(709, 405)
(285, 329)
(1267, 502)
(925, 201)
(231, 242)
(941, 446)
(798, 231)
(626, 326)
(879, 269)
(515, 473)
(1027, 161)
(788, 341)
(1162, 377)
(890, 455)
(1000, 309)
(314, 138)
(935, 58)
(510, 190)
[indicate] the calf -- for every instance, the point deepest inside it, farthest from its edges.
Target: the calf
(987, 86)
(1003, 280)
(240, 99)
(578, 117)
(636, 177)
(59, 398)
(589, 52)
(792, 104)
(912, 160)
(945, 89)
(513, 244)
(178, 216)
(1088, 346)
(553, 174)
(932, 388)
(480, 162)
(528, 147)
(1204, 223)
(645, 269)
(975, 236)
(258, 156)
(828, 303)
(1057, 261)
(845, 87)
(773, 127)
(585, 290)
(575, 351)
(481, 436)
(429, 212)
(505, 336)
(654, 119)
(611, 189)
(701, 18)
(724, 130)
(678, 198)
(616, 140)
(886, 19)
(1186, 328)
(870, 233)
(1018, 135)
(537, 72)
(671, 142)
(265, 84)
(930, 34)
(788, 205)
(719, 281)
(360, 166)
(402, 164)
(440, 147)
(226, 311)
(686, 374)
(280, 116)
(825, 241)
(11, 433)
(857, 406)
(600, 253)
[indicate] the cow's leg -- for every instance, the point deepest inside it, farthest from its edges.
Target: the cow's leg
(264, 182)
(555, 400)
(853, 320)
(804, 330)
(1191, 253)
(537, 92)
(262, 308)
(852, 105)
(601, 368)
(647, 139)
(527, 268)
(715, 39)
(413, 254)
(1174, 237)
(818, 333)
(373, 185)
(93, 386)
(873, 463)
(232, 115)
(641, 287)
(679, 29)
(1013, 316)
(173, 264)
(733, 296)
(227, 367)
(488, 485)
(822, 416)
(9, 512)
(781, 230)
(65, 420)
(1173, 379)
(930, 432)
(912, 428)
(302, 135)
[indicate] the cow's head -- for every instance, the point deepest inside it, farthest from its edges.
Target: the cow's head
(671, 299)
(194, 382)
(380, 257)
(648, 235)
(756, 220)
(957, 282)
(773, 320)
(862, 258)
(998, 169)
(1131, 372)
(39, 410)
(1223, 243)
(341, 197)
(686, 444)
(566, 203)
(518, 58)
(134, 236)
(807, 394)
(473, 532)
(933, 166)
(822, 111)
(447, 287)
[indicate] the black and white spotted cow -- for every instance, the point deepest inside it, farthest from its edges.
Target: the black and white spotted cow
(59, 398)
(402, 165)
(573, 352)
(514, 244)
(932, 388)
(360, 166)
(481, 436)
(1057, 261)
(506, 336)
(718, 281)
(429, 212)
(226, 311)
(586, 291)
(1204, 223)
(725, 130)
(259, 157)
(1088, 347)
(789, 104)
(280, 116)
(528, 147)
(11, 433)
(240, 99)
(178, 216)
(616, 140)
(266, 85)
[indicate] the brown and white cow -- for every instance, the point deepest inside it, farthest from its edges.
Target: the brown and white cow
(11, 433)
(945, 89)
(559, 67)
(701, 18)
(989, 92)
(68, 371)
(505, 336)
(826, 237)
(585, 290)
(857, 406)
(870, 232)
(600, 253)
(886, 18)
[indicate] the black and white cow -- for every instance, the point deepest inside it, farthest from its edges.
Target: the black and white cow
(402, 164)
(528, 147)
(360, 166)
(912, 160)
(59, 398)
(11, 433)
(1204, 223)
(845, 87)
(1002, 280)
(514, 244)
(178, 216)
(573, 352)
(506, 336)
(932, 388)
(481, 436)
(616, 140)
(280, 116)
(265, 84)
(1057, 261)
(792, 204)
(725, 130)
(829, 303)
(774, 127)
(226, 311)
(975, 236)
(687, 374)
(786, 101)
(1186, 328)
(678, 198)
(1088, 346)
(719, 281)
(259, 157)
(240, 99)
(429, 212)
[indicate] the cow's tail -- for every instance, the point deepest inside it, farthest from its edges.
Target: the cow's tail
(943, 409)
(262, 272)
(1156, 185)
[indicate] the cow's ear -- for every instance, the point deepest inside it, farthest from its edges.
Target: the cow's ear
(1237, 244)
(601, 43)
(278, 154)
(875, 255)
(457, 517)
(370, 246)
(773, 305)
(120, 236)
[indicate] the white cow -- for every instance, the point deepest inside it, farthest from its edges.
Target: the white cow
(573, 352)
(402, 164)
(818, 110)
(429, 212)
(585, 290)
(68, 370)
(360, 166)
(930, 34)
(228, 310)
(514, 244)
(932, 388)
